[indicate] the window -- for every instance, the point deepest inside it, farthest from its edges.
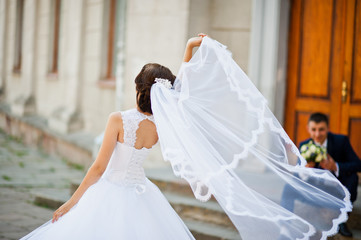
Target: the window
(18, 35)
(54, 37)
(111, 23)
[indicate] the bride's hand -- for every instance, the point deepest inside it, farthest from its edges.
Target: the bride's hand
(192, 42)
(63, 209)
(196, 41)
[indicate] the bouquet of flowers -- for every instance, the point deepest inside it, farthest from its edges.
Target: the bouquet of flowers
(313, 153)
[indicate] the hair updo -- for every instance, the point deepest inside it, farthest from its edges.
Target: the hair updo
(145, 80)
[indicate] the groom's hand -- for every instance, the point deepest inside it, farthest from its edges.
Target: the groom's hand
(329, 164)
(310, 165)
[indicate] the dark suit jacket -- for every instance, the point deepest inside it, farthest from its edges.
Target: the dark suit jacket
(340, 149)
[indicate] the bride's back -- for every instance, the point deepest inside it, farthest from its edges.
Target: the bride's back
(138, 136)
(146, 134)
(139, 130)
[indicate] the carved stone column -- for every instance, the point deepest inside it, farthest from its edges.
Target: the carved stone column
(3, 32)
(67, 118)
(25, 102)
(268, 51)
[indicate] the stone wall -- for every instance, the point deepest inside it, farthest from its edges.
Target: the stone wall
(156, 31)
(229, 22)
(76, 99)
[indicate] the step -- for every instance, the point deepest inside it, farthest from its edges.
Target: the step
(354, 221)
(50, 198)
(356, 236)
(191, 208)
(166, 181)
(207, 231)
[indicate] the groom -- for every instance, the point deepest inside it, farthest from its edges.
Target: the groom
(342, 161)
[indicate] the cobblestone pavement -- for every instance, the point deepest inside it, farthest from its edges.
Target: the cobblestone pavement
(23, 172)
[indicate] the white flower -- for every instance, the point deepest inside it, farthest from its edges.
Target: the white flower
(166, 83)
(303, 148)
(313, 149)
(324, 150)
(319, 158)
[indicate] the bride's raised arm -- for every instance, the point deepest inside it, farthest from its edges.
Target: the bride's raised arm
(192, 43)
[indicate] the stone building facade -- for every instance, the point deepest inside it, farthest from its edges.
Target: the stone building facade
(73, 62)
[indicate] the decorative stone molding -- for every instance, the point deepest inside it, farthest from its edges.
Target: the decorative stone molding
(23, 105)
(65, 121)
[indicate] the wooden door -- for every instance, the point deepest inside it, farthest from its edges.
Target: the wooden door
(324, 67)
(351, 108)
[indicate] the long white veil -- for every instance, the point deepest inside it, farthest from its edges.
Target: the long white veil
(217, 132)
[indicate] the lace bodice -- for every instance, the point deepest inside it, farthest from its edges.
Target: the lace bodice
(131, 120)
(125, 165)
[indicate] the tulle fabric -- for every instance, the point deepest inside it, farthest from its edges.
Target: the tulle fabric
(109, 211)
(217, 132)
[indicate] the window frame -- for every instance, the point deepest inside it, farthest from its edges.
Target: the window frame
(53, 66)
(19, 25)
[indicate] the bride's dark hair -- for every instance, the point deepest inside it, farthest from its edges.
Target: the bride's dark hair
(145, 80)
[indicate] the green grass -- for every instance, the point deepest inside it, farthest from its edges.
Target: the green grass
(20, 153)
(6, 139)
(6, 177)
(21, 164)
(16, 152)
(76, 166)
(14, 138)
(42, 153)
(44, 205)
(73, 165)
(5, 144)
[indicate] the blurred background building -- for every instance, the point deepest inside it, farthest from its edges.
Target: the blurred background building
(65, 65)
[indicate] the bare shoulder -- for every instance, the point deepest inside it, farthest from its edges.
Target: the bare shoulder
(116, 116)
(115, 119)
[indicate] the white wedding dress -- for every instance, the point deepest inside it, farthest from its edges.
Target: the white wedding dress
(123, 204)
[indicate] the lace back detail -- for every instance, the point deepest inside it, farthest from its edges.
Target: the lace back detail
(131, 121)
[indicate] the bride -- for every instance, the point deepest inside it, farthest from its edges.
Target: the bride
(217, 132)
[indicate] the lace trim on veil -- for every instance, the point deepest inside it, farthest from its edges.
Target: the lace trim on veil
(210, 146)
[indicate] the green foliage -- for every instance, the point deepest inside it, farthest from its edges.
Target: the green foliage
(20, 153)
(21, 164)
(6, 177)
(44, 205)
(73, 165)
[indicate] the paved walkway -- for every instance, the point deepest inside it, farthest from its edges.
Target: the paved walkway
(23, 172)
